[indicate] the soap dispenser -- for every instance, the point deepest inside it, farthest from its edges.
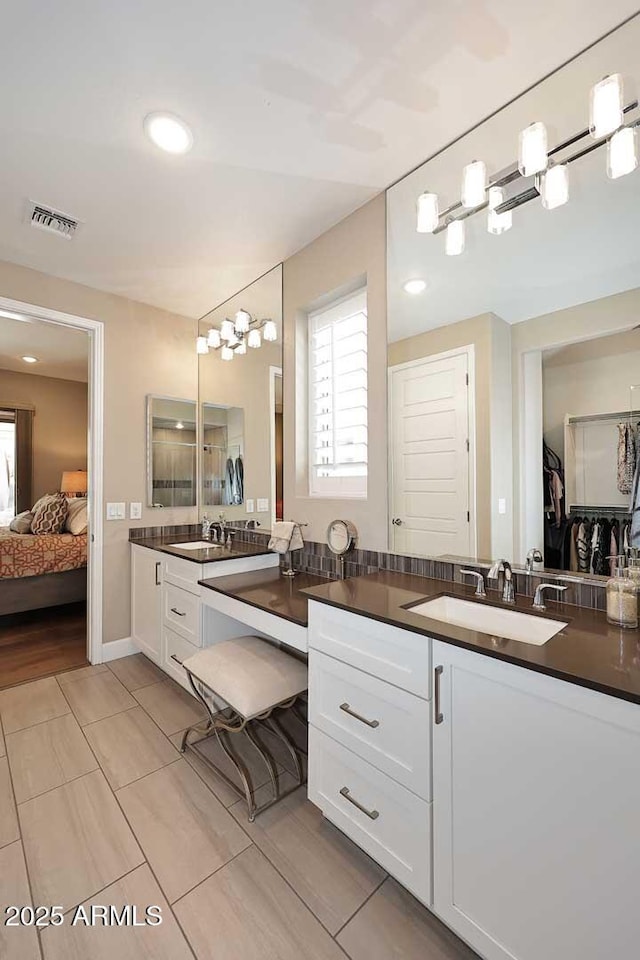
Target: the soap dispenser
(622, 597)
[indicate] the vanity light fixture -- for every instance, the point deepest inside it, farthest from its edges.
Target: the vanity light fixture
(415, 286)
(474, 184)
(532, 153)
(498, 223)
(427, 210)
(606, 111)
(234, 336)
(554, 186)
(454, 244)
(622, 153)
(168, 132)
(30, 359)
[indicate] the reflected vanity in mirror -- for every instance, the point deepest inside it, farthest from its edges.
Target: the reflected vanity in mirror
(518, 326)
(171, 452)
(240, 401)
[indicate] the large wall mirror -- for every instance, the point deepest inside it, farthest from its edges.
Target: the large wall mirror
(171, 452)
(240, 403)
(514, 358)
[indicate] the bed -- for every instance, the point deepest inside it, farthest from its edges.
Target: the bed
(41, 571)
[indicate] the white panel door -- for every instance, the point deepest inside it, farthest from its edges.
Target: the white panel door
(430, 489)
(536, 793)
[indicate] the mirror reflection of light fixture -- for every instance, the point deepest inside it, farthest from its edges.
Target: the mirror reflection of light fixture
(622, 153)
(454, 245)
(243, 319)
(498, 223)
(226, 353)
(253, 339)
(427, 213)
(242, 347)
(474, 184)
(234, 336)
(554, 186)
(606, 106)
(201, 345)
(269, 331)
(213, 338)
(227, 330)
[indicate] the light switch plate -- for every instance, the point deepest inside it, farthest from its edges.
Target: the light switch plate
(263, 505)
(116, 511)
(135, 511)
(250, 505)
(502, 505)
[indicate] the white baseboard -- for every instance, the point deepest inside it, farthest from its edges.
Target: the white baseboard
(118, 648)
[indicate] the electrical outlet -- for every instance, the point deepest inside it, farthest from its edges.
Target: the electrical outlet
(135, 511)
(116, 511)
(263, 505)
(250, 505)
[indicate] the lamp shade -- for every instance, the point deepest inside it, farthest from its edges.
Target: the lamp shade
(74, 482)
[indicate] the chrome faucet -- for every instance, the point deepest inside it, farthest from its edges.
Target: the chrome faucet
(480, 587)
(508, 585)
(534, 556)
(538, 600)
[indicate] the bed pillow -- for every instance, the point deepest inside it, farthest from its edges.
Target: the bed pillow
(22, 523)
(50, 514)
(76, 522)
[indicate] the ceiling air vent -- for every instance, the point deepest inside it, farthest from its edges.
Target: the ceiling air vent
(52, 220)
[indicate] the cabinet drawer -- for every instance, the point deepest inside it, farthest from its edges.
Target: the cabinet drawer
(182, 612)
(182, 573)
(175, 649)
(386, 726)
(394, 827)
(397, 656)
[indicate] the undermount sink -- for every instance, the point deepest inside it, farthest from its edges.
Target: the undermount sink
(498, 622)
(197, 545)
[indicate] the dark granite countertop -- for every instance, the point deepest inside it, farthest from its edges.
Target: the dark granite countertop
(209, 555)
(269, 590)
(588, 651)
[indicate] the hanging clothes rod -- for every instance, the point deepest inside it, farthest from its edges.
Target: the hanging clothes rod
(592, 418)
(580, 508)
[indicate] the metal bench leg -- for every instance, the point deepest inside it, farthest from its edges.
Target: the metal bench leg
(273, 724)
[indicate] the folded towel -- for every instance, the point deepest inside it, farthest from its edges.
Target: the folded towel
(285, 535)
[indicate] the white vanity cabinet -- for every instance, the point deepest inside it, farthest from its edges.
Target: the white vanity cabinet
(536, 812)
(146, 601)
(369, 739)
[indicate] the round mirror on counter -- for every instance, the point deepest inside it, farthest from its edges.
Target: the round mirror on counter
(341, 538)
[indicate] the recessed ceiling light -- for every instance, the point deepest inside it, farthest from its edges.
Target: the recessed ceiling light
(30, 359)
(415, 286)
(179, 425)
(168, 132)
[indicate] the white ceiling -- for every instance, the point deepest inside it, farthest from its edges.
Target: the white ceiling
(62, 352)
(301, 111)
(549, 260)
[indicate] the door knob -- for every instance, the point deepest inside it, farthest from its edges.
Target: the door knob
(397, 522)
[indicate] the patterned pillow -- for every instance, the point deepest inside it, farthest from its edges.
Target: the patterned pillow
(22, 523)
(50, 514)
(76, 522)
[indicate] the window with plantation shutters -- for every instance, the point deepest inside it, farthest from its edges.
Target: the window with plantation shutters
(338, 398)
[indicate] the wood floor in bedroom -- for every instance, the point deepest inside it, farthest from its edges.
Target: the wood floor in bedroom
(42, 642)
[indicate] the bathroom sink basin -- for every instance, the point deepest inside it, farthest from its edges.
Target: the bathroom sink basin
(197, 545)
(498, 622)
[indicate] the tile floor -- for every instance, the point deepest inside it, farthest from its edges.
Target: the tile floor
(98, 807)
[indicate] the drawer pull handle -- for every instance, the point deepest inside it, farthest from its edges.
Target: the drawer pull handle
(177, 612)
(158, 583)
(439, 716)
(173, 657)
(352, 713)
(372, 814)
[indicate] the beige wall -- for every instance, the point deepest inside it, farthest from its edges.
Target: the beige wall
(352, 252)
(59, 424)
(146, 351)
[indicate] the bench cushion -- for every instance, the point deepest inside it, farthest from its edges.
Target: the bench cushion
(249, 674)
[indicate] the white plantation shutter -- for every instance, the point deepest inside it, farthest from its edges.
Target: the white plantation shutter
(338, 398)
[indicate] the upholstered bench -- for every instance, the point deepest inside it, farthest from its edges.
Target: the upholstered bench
(253, 678)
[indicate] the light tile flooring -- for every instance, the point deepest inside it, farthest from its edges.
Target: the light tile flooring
(98, 807)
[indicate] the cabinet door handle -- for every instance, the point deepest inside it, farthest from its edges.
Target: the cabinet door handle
(372, 814)
(157, 572)
(436, 694)
(173, 657)
(352, 713)
(177, 612)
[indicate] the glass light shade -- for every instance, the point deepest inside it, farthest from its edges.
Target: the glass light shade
(253, 338)
(428, 214)
(242, 347)
(454, 244)
(622, 153)
(201, 345)
(243, 319)
(227, 330)
(226, 353)
(532, 150)
(605, 110)
(474, 184)
(213, 338)
(554, 186)
(233, 340)
(498, 223)
(269, 331)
